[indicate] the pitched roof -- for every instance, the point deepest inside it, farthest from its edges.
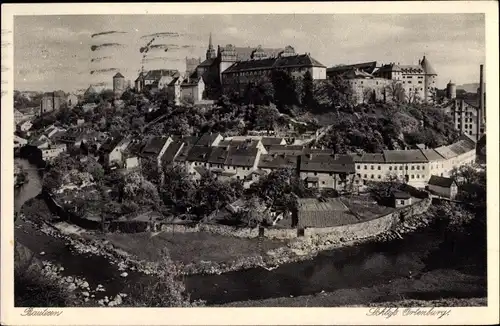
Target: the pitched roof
(412, 69)
(207, 139)
(157, 74)
(401, 195)
(241, 156)
(218, 155)
(445, 152)
(268, 141)
(388, 68)
(328, 163)
(368, 67)
(118, 75)
(172, 151)
(325, 212)
(294, 150)
(207, 63)
(110, 144)
(301, 60)
(404, 156)
(426, 65)
(432, 155)
(444, 182)
(275, 161)
(154, 146)
(368, 158)
(199, 154)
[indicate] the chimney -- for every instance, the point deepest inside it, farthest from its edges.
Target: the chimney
(481, 114)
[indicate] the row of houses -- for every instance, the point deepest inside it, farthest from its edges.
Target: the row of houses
(248, 158)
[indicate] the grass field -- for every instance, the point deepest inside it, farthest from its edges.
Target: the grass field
(191, 247)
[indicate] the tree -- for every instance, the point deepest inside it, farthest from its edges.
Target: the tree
(177, 190)
(383, 190)
(212, 195)
(395, 91)
(166, 290)
(267, 117)
(333, 94)
(308, 90)
(413, 96)
(284, 88)
(368, 95)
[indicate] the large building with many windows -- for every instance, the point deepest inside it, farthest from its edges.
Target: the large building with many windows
(234, 68)
(373, 81)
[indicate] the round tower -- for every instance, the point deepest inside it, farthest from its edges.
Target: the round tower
(429, 78)
(451, 91)
(118, 84)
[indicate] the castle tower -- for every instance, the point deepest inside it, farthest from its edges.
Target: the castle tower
(210, 51)
(429, 78)
(451, 91)
(118, 84)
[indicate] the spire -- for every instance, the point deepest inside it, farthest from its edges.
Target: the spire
(210, 51)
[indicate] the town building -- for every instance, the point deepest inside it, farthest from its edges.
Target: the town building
(51, 102)
(155, 148)
(52, 151)
(373, 81)
(119, 84)
(464, 114)
(25, 126)
(72, 100)
(442, 187)
(189, 90)
(19, 142)
(401, 199)
(329, 171)
(155, 79)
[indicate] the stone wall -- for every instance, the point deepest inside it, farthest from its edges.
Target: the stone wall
(352, 231)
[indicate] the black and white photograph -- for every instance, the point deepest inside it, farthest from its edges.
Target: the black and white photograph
(238, 160)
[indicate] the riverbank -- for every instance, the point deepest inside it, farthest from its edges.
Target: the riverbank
(201, 252)
(445, 287)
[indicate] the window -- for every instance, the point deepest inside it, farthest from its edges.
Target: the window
(358, 167)
(423, 167)
(402, 202)
(418, 176)
(412, 176)
(420, 82)
(418, 167)
(379, 176)
(365, 176)
(322, 182)
(371, 167)
(330, 174)
(401, 168)
(379, 167)
(390, 168)
(315, 173)
(372, 176)
(412, 167)
(366, 167)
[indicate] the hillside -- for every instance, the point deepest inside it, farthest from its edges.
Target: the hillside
(376, 127)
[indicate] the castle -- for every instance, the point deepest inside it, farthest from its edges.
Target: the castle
(373, 81)
(234, 68)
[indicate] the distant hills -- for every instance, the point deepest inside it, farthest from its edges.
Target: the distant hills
(469, 88)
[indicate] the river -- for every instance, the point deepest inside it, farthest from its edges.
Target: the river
(358, 267)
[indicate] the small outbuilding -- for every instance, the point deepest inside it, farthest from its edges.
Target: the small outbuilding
(442, 186)
(401, 199)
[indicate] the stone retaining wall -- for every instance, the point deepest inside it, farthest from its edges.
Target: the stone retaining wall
(357, 231)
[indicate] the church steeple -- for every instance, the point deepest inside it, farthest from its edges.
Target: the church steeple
(210, 51)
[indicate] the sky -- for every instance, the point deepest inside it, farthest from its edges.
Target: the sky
(54, 52)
